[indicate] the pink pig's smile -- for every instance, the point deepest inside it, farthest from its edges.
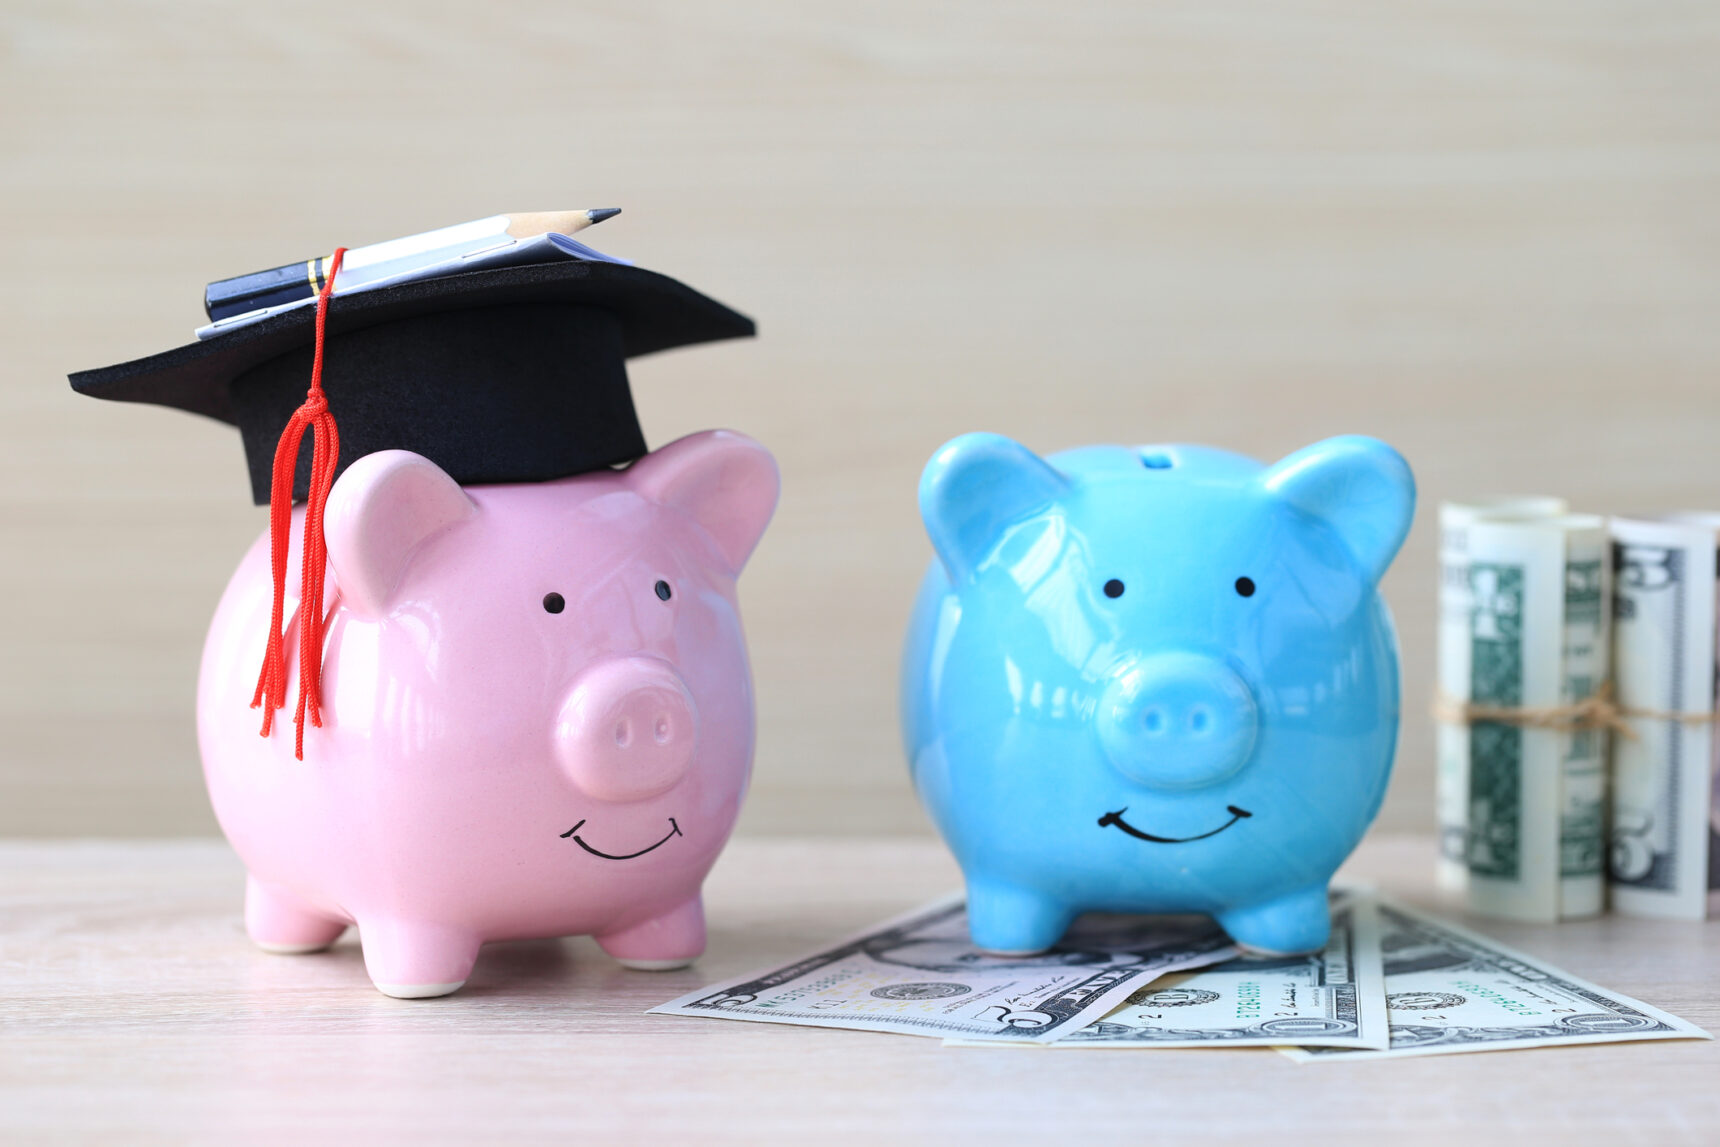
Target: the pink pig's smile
(1116, 818)
(674, 831)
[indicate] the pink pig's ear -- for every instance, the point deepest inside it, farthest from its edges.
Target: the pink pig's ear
(382, 509)
(724, 481)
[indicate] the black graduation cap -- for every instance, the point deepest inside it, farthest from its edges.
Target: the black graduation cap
(516, 374)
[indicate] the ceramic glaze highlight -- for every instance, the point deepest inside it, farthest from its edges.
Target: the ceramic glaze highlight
(1154, 679)
(523, 736)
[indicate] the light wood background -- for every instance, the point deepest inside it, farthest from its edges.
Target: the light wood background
(1485, 232)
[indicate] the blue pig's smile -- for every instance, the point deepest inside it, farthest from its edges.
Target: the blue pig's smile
(1116, 818)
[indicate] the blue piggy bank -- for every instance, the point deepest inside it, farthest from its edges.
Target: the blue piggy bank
(1157, 679)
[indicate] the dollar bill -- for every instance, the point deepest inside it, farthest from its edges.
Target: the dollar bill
(1455, 601)
(1664, 855)
(1538, 640)
(1450, 990)
(920, 974)
(1332, 998)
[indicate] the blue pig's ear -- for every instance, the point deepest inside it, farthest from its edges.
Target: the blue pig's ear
(1360, 485)
(973, 488)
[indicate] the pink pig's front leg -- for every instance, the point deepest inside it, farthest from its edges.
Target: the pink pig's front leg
(412, 960)
(662, 943)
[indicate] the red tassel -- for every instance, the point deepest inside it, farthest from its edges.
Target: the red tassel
(314, 415)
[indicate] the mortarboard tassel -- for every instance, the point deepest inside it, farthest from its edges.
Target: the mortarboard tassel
(314, 415)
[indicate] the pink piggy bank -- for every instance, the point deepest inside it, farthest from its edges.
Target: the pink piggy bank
(537, 713)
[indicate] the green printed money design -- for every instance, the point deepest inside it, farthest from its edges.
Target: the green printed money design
(1582, 828)
(1494, 836)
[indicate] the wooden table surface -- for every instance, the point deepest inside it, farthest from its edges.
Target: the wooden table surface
(133, 1009)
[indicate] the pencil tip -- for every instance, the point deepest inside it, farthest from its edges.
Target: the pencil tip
(599, 214)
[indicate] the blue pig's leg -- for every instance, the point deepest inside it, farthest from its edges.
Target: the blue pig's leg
(1013, 921)
(1294, 923)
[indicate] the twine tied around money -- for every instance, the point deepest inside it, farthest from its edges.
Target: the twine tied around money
(1596, 711)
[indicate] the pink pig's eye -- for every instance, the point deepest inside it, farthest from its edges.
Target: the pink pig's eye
(663, 591)
(554, 602)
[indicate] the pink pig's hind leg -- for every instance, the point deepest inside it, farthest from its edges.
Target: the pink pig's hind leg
(279, 922)
(410, 960)
(662, 943)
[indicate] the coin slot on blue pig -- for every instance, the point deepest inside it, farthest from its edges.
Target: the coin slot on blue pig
(1158, 679)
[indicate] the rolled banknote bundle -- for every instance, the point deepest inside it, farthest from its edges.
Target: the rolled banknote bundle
(1525, 712)
(1664, 854)
(1452, 746)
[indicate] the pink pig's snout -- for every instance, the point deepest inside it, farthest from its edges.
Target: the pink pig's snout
(627, 729)
(1178, 721)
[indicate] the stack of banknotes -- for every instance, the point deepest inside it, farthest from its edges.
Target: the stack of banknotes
(1577, 683)
(1391, 982)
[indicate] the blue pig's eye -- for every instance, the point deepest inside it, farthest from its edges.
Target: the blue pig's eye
(1113, 588)
(1245, 586)
(662, 590)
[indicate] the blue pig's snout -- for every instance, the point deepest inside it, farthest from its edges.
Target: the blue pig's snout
(1178, 721)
